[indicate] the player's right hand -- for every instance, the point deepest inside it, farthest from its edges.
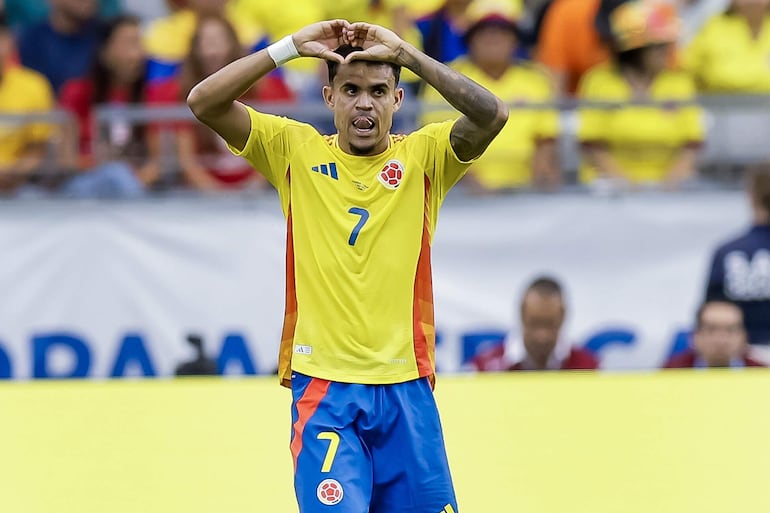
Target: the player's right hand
(320, 39)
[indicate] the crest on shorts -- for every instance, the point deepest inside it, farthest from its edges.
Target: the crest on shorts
(391, 174)
(329, 492)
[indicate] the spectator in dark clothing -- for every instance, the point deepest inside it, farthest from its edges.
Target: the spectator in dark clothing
(719, 339)
(442, 31)
(740, 268)
(541, 346)
(63, 46)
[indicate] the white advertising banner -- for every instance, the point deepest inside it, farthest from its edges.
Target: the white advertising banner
(107, 289)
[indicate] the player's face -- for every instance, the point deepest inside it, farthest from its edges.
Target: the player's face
(721, 336)
(541, 320)
(363, 97)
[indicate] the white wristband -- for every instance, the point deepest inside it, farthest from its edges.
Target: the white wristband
(283, 51)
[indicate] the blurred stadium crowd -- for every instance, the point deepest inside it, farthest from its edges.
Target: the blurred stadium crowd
(605, 94)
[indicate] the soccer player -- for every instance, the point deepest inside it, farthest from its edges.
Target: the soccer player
(361, 208)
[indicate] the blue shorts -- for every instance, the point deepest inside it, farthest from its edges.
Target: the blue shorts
(368, 448)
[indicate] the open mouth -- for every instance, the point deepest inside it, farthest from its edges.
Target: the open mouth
(363, 125)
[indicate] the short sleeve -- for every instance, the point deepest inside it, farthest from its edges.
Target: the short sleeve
(268, 148)
(443, 167)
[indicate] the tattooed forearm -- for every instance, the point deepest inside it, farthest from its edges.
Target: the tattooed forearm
(485, 114)
(467, 96)
(462, 93)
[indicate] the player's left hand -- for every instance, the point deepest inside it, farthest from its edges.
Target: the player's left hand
(379, 43)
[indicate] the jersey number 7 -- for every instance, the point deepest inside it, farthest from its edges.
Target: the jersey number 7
(360, 224)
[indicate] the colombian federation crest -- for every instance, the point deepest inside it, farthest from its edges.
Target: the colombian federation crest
(391, 174)
(329, 492)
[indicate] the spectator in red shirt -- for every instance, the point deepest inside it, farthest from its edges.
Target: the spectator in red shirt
(205, 161)
(126, 160)
(541, 346)
(719, 339)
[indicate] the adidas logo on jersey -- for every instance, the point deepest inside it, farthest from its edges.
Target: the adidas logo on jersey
(447, 509)
(329, 170)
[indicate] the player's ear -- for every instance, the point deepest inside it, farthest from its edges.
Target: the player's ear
(328, 94)
(399, 99)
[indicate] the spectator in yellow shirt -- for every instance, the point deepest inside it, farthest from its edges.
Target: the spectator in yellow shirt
(23, 144)
(731, 53)
(524, 153)
(640, 144)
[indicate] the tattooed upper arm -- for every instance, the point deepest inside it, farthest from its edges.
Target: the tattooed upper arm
(484, 114)
(467, 140)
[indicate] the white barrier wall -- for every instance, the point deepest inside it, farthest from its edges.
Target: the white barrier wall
(103, 289)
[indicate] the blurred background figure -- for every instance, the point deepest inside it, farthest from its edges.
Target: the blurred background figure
(122, 159)
(640, 144)
(524, 153)
(205, 162)
(167, 40)
(568, 42)
(201, 365)
(301, 75)
(740, 268)
(62, 46)
(719, 339)
(23, 145)
(27, 12)
(442, 30)
(730, 53)
(541, 346)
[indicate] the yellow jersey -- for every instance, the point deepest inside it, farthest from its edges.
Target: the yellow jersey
(23, 91)
(724, 57)
(359, 297)
(643, 140)
(507, 161)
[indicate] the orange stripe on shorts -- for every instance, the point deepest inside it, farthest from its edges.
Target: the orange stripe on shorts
(306, 407)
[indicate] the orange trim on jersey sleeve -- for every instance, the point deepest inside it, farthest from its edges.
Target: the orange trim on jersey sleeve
(290, 316)
(424, 326)
(306, 407)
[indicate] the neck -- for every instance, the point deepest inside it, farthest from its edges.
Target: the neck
(118, 82)
(539, 361)
(639, 80)
(494, 70)
(63, 23)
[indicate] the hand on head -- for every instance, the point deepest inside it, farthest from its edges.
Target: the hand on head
(321, 39)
